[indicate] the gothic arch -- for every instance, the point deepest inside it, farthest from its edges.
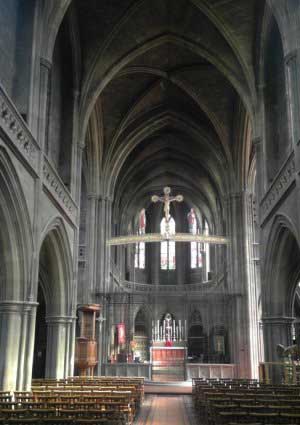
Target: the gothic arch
(56, 265)
(53, 17)
(16, 241)
(281, 271)
(268, 15)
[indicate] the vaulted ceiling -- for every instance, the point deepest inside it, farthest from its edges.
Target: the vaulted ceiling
(171, 87)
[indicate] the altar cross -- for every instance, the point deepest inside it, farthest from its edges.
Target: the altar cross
(166, 200)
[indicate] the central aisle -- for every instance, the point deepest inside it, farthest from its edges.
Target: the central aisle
(166, 410)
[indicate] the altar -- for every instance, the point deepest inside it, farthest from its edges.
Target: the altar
(168, 363)
(168, 351)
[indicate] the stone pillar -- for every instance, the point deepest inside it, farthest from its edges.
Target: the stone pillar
(44, 102)
(16, 342)
(257, 143)
(101, 359)
(253, 285)
(91, 245)
(277, 330)
(58, 346)
(293, 88)
(72, 346)
(237, 284)
(76, 154)
(297, 330)
(104, 233)
(29, 351)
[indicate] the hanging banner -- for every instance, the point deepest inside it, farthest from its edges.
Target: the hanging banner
(121, 333)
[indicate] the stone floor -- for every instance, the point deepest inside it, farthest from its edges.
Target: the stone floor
(167, 410)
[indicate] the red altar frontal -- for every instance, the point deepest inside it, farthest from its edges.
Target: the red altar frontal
(168, 363)
(167, 355)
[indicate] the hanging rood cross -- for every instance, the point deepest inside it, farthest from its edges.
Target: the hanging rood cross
(166, 200)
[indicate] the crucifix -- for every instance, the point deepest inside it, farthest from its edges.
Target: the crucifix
(166, 200)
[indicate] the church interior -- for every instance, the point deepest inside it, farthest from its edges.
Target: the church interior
(149, 220)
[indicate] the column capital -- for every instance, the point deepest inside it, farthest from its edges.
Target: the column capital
(106, 198)
(16, 306)
(257, 141)
(55, 320)
(93, 196)
(45, 63)
(76, 94)
(290, 56)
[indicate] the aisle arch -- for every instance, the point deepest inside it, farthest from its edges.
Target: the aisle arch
(16, 240)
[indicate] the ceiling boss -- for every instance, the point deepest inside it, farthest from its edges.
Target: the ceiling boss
(167, 199)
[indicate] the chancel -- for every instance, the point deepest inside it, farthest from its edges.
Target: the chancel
(149, 208)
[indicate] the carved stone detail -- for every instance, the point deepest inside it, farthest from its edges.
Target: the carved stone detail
(57, 189)
(281, 183)
(13, 125)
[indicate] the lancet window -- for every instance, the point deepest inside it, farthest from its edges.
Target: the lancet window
(196, 247)
(167, 248)
(206, 247)
(140, 250)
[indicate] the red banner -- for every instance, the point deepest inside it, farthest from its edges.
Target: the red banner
(121, 333)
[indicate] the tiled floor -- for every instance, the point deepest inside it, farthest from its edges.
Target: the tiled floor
(167, 410)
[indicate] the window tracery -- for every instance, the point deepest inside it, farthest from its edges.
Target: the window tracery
(140, 249)
(167, 248)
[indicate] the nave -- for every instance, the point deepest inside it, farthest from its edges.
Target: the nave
(165, 409)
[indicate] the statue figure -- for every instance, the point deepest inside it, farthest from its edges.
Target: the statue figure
(166, 200)
(291, 352)
(192, 221)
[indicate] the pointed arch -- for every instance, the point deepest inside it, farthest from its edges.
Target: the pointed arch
(282, 267)
(16, 240)
(53, 17)
(56, 258)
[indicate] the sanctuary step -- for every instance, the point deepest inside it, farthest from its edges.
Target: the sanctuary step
(168, 373)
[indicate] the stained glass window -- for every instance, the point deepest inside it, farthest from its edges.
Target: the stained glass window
(206, 248)
(140, 250)
(167, 248)
(196, 247)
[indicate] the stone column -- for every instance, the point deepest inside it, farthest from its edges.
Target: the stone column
(257, 143)
(44, 102)
(77, 148)
(92, 254)
(277, 330)
(16, 342)
(293, 89)
(101, 359)
(237, 284)
(29, 351)
(72, 346)
(58, 346)
(253, 285)
(26, 346)
(104, 233)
